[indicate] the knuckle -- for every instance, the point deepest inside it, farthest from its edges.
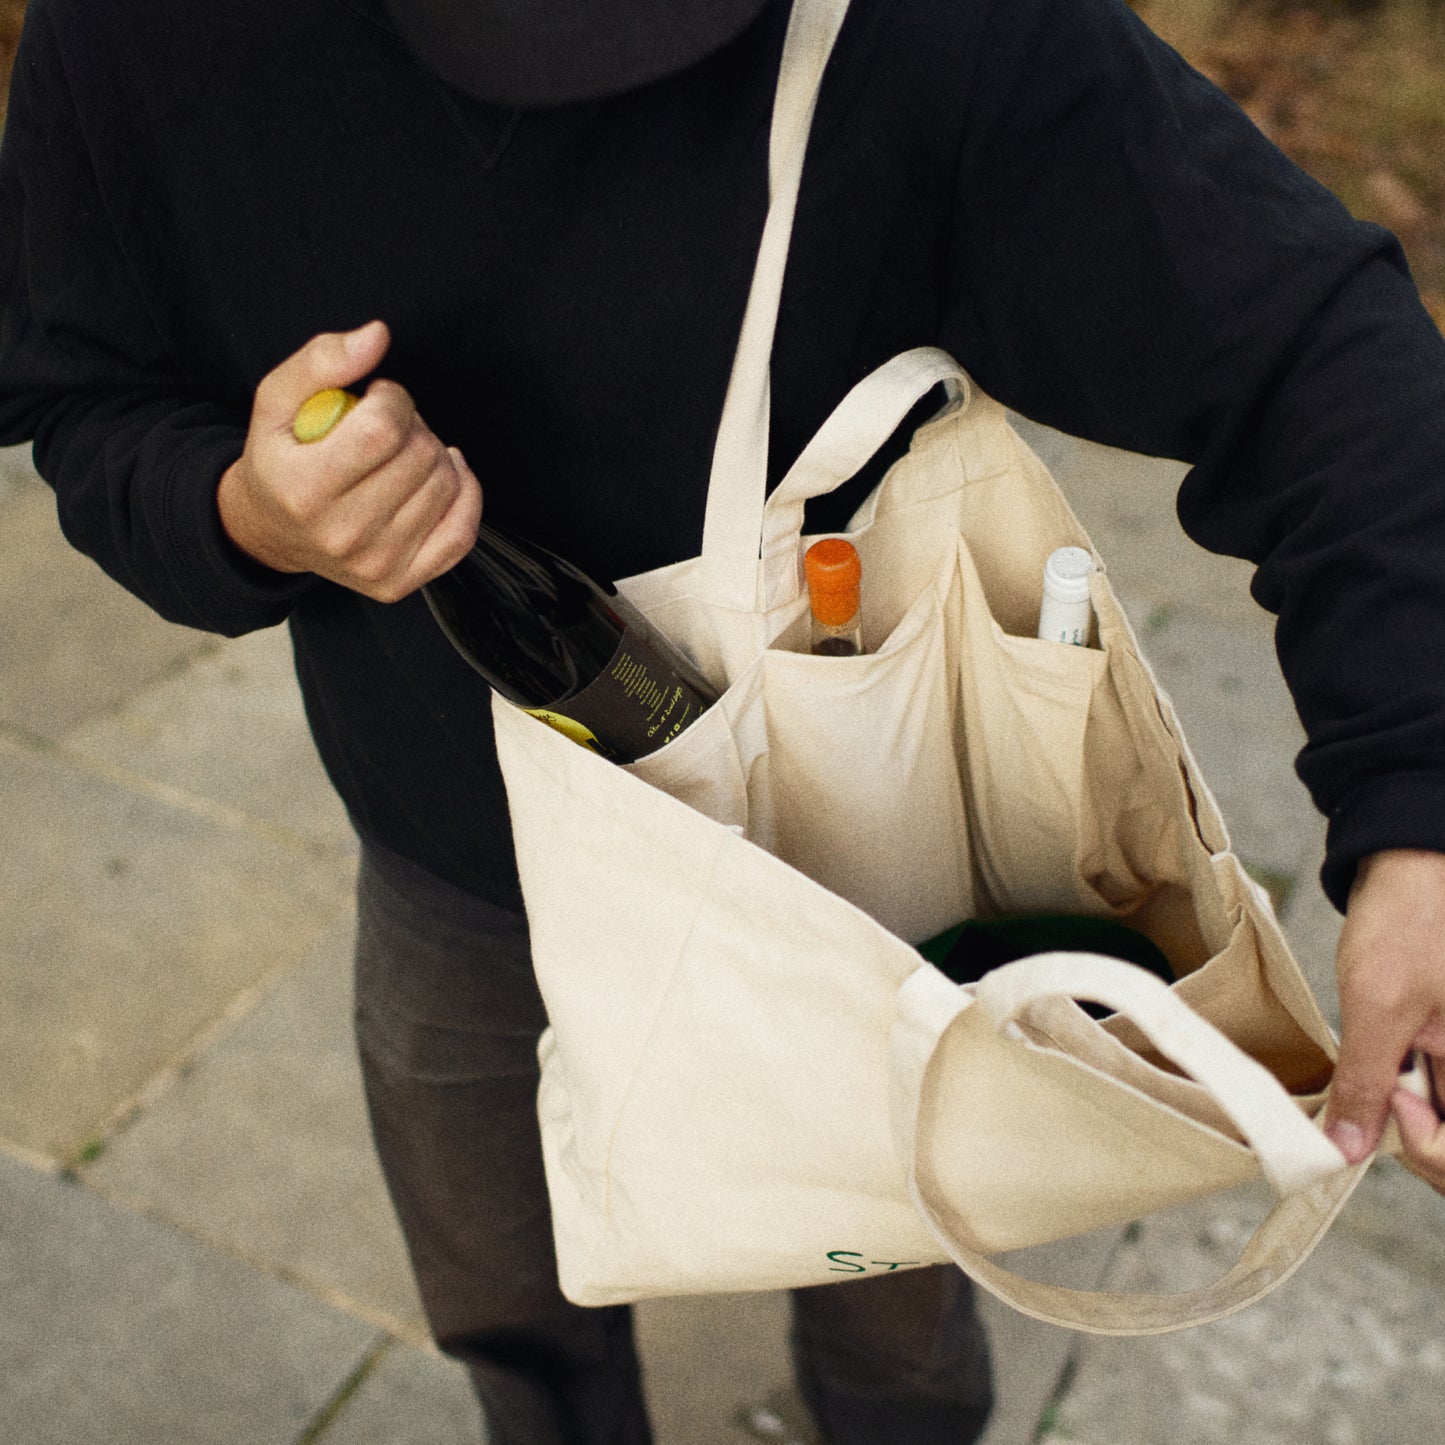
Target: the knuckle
(448, 551)
(379, 433)
(456, 553)
(373, 566)
(391, 394)
(419, 460)
(391, 588)
(326, 347)
(444, 477)
(302, 507)
(341, 541)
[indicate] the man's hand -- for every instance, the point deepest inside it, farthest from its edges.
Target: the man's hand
(378, 505)
(1391, 968)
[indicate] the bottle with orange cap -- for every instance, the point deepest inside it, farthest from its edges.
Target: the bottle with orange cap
(835, 578)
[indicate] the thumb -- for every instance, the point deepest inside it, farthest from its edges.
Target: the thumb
(1372, 1044)
(332, 359)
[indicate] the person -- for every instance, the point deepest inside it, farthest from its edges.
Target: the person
(526, 231)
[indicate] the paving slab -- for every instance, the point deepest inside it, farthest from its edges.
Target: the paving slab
(1312, 926)
(1031, 1358)
(1399, 1218)
(121, 1329)
(709, 1358)
(75, 644)
(263, 1148)
(408, 1397)
(16, 469)
(231, 728)
(1351, 1351)
(131, 923)
(1126, 503)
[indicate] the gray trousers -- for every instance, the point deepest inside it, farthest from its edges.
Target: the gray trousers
(447, 1020)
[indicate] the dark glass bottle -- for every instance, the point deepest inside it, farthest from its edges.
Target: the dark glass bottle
(572, 652)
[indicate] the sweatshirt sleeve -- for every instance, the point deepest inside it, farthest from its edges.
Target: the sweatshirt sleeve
(134, 452)
(1135, 263)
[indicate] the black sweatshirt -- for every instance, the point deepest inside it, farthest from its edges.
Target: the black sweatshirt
(189, 192)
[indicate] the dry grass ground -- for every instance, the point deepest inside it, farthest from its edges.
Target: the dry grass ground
(1354, 90)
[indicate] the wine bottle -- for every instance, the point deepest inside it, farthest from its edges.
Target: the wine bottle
(834, 576)
(571, 651)
(1067, 613)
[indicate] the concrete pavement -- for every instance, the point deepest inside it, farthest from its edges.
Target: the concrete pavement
(194, 1241)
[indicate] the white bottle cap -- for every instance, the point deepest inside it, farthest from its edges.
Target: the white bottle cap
(1067, 573)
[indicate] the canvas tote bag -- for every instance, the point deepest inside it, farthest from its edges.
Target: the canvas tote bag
(751, 1079)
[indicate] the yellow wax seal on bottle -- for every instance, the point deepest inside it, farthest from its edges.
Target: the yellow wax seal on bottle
(318, 414)
(569, 727)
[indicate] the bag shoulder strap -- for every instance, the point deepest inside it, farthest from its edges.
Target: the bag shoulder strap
(738, 484)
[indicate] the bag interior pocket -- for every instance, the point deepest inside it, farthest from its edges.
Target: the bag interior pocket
(860, 788)
(705, 766)
(1023, 711)
(1234, 993)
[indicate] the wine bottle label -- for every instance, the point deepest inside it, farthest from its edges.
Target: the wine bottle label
(631, 708)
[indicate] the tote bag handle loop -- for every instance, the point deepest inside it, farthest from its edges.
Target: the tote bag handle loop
(846, 442)
(1309, 1175)
(738, 485)
(1293, 1154)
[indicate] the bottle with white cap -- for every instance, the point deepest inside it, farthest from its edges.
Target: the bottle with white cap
(1067, 614)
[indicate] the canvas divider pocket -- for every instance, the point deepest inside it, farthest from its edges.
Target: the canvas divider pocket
(860, 787)
(845, 767)
(1234, 992)
(706, 766)
(1023, 712)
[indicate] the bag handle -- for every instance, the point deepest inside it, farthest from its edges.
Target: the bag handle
(1310, 1176)
(1292, 1152)
(738, 484)
(841, 447)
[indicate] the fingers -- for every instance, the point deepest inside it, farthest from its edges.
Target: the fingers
(404, 524)
(456, 531)
(376, 503)
(1375, 1037)
(1423, 1135)
(1431, 1037)
(1391, 966)
(361, 475)
(331, 359)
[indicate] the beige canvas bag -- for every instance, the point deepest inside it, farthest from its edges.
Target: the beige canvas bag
(751, 1079)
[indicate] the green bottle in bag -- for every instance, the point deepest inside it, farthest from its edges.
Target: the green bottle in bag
(968, 950)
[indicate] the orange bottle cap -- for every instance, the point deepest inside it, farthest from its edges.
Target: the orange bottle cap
(834, 574)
